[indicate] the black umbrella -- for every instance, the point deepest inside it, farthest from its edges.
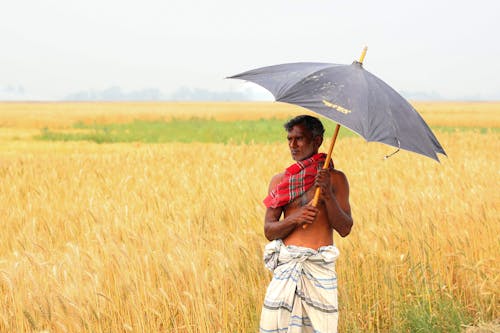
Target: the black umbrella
(352, 97)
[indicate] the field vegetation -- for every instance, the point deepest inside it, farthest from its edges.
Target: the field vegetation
(158, 227)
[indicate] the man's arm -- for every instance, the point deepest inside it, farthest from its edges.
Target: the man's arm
(274, 228)
(335, 195)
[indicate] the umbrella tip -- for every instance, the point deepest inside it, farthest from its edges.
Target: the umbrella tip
(363, 54)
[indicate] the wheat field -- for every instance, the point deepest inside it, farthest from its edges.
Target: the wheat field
(169, 237)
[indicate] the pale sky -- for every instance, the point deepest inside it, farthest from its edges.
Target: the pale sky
(52, 48)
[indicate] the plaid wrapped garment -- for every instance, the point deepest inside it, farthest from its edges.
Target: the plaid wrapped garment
(302, 296)
(298, 178)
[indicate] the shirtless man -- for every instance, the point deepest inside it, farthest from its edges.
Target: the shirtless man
(302, 296)
(333, 211)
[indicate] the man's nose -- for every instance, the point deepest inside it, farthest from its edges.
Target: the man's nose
(293, 143)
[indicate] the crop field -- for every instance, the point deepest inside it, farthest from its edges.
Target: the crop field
(148, 217)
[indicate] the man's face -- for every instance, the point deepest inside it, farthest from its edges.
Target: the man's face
(301, 143)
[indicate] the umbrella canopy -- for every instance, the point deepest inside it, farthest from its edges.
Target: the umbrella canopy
(352, 97)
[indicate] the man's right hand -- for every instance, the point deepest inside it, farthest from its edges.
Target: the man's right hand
(303, 215)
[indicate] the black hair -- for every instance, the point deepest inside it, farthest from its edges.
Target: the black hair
(313, 124)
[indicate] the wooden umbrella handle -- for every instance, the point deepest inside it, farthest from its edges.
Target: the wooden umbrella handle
(325, 166)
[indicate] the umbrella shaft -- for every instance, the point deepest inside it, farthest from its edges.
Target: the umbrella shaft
(327, 162)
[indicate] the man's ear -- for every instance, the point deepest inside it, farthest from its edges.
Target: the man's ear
(318, 140)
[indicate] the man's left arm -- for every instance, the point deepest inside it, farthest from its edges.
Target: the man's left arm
(335, 196)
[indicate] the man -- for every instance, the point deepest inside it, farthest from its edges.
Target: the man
(302, 296)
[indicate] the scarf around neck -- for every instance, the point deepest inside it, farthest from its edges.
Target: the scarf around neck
(298, 178)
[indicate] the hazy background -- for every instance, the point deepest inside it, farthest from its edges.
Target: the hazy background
(183, 49)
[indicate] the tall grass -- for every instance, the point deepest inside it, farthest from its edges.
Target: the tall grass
(131, 237)
(169, 237)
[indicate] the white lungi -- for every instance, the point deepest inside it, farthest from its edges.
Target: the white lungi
(302, 296)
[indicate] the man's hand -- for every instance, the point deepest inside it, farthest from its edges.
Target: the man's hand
(303, 215)
(324, 183)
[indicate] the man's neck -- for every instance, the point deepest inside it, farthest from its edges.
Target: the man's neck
(314, 153)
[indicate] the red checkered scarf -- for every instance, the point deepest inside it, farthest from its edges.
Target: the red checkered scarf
(298, 178)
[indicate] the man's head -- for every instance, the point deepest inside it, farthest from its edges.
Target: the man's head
(305, 135)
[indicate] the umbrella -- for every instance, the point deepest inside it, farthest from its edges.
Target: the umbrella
(352, 97)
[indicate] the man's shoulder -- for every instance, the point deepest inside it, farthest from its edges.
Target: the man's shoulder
(276, 179)
(337, 176)
(336, 172)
